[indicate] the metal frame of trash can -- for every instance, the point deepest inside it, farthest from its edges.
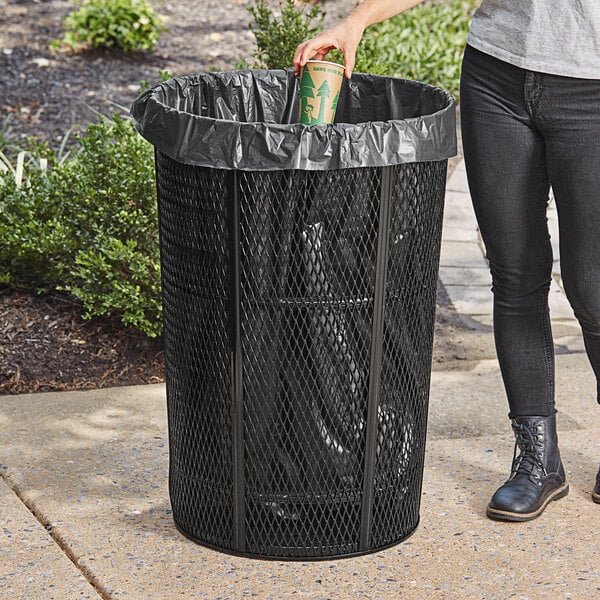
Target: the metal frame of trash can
(214, 381)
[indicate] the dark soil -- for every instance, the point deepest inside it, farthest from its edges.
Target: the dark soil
(45, 344)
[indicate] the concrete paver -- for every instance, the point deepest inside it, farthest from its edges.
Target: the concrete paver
(459, 218)
(457, 182)
(472, 300)
(466, 276)
(559, 305)
(31, 564)
(461, 254)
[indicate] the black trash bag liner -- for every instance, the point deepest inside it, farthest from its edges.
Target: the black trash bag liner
(319, 401)
(315, 398)
(247, 120)
(267, 227)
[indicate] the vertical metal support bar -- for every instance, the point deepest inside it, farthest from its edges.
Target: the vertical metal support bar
(383, 235)
(237, 389)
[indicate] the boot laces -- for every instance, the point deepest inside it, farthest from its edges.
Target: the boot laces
(530, 458)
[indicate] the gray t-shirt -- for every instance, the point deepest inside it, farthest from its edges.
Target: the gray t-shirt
(561, 37)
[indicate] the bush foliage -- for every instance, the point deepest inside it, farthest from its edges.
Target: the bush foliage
(125, 24)
(86, 223)
(278, 35)
(425, 43)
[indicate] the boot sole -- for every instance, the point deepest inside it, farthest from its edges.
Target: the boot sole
(502, 515)
(596, 497)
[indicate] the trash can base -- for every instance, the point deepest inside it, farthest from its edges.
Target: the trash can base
(290, 557)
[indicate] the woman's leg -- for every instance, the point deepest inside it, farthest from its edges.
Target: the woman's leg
(506, 166)
(505, 156)
(569, 118)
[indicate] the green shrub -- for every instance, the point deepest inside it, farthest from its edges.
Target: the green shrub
(163, 75)
(87, 223)
(124, 24)
(277, 36)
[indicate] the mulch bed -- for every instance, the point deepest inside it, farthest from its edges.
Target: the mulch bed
(46, 345)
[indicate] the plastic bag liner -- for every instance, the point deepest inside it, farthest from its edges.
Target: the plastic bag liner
(247, 120)
(299, 295)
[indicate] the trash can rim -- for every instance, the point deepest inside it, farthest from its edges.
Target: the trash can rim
(196, 80)
(267, 145)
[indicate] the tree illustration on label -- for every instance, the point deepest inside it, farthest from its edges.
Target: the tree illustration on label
(307, 85)
(324, 92)
(335, 102)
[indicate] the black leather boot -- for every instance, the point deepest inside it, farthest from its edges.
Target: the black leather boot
(537, 474)
(596, 492)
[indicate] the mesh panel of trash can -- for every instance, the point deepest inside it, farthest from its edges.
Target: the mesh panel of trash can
(298, 322)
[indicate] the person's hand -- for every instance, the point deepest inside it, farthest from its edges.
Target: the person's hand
(344, 37)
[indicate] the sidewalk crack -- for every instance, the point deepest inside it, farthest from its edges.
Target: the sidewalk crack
(55, 535)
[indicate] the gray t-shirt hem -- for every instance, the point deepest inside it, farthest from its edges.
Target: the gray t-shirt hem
(540, 66)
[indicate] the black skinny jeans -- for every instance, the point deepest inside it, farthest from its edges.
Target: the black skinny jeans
(523, 132)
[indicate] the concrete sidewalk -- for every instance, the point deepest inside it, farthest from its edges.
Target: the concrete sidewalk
(85, 508)
(85, 513)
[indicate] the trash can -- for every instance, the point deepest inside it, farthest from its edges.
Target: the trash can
(299, 270)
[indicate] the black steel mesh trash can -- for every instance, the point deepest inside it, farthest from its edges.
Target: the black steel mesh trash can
(299, 270)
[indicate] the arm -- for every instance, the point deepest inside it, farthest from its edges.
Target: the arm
(346, 35)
